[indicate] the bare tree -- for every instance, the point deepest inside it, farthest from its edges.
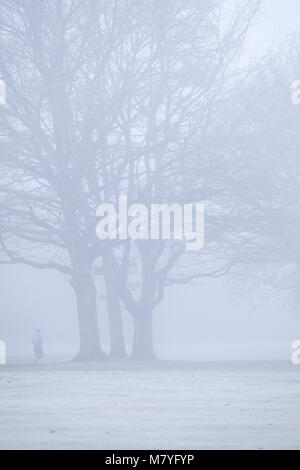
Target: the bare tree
(105, 98)
(54, 57)
(264, 240)
(186, 92)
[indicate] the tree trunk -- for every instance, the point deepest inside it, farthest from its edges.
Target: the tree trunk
(117, 344)
(86, 295)
(143, 348)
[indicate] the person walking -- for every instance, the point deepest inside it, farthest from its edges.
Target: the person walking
(38, 345)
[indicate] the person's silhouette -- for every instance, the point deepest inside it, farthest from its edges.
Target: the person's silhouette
(38, 345)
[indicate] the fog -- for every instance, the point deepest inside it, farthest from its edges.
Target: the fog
(203, 321)
(212, 326)
(149, 224)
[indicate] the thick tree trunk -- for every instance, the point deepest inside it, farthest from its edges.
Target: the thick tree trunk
(86, 295)
(143, 348)
(117, 344)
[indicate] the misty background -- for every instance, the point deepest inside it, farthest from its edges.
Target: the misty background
(215, 322)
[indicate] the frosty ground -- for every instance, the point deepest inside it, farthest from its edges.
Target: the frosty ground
(167, 405)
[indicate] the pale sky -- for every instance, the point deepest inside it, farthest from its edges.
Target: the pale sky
(279, 19)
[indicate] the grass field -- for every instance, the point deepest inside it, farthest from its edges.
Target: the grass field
(163, 405)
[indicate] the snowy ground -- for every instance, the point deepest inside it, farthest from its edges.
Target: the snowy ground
(166, 406)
